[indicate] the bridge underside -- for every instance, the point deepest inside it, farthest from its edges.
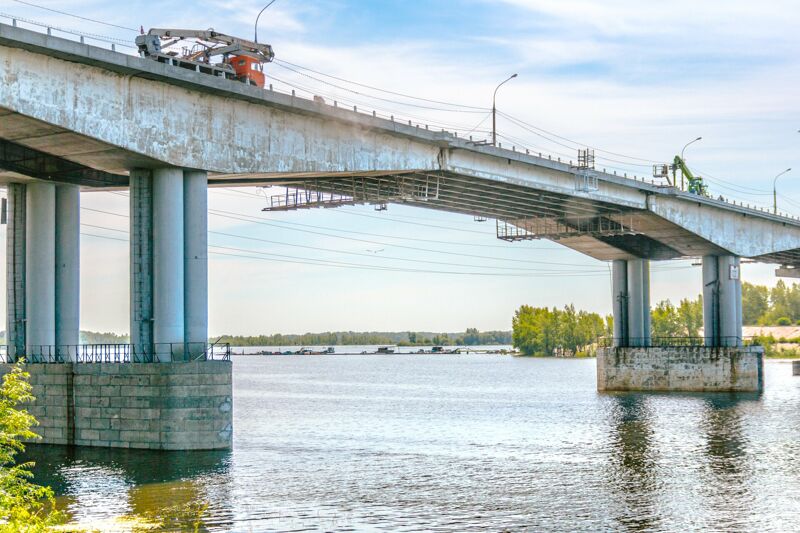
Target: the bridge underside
(31, 149)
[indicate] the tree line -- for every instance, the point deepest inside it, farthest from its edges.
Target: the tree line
(470, 337)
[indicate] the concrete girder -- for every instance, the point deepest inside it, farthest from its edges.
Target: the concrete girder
(736, 231)
(120, 106)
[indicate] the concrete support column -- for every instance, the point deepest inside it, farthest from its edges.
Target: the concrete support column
(730, 301)
(67, 271)
(15, 270)
(141, 256)
(619, 298)
(711, 300)
(722, 300)
(638, 302)
(195, 257)
(168, 268)
(40, 279)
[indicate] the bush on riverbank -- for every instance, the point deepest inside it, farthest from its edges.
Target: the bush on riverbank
(24, 506)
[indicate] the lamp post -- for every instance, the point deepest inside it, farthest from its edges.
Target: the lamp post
(494, 109)
(775, 192)
(683, 150)
(258, 17)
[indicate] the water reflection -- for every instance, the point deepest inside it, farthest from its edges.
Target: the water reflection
(728, 462)
(457, 443)
(169, 488)
(633, 463)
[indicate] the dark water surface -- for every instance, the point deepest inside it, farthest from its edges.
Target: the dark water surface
(459, 443)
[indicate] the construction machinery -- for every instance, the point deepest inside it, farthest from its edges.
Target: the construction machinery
(209, 52)
(694, 184)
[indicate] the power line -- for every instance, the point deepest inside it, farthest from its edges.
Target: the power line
(284, 62)
(515, 271)
(75, 16)
(95, 36)
(474, 110)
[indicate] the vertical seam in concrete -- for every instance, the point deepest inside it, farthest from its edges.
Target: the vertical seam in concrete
(71, 405)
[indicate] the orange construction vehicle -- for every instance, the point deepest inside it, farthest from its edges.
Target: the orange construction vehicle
(239, 59)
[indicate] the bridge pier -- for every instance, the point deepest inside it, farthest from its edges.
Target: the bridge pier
(631, 302)
(722, 300)
(722, 364)
(42, 270)
(169, 263)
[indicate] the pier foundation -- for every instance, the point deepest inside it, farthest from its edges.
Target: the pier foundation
(164, 406)
(681, 368)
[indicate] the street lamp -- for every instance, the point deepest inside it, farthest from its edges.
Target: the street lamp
(775, 193)
(682, 159)
(494, 109)
(258, 17)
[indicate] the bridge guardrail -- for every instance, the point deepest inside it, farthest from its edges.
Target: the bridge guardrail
(675, 342)
(118, 353)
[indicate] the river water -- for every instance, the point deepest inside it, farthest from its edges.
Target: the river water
(457, 443)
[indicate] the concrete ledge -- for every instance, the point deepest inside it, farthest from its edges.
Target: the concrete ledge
(167, 406)
(687, 369)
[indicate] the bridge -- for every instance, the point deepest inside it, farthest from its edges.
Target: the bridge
(75, 117)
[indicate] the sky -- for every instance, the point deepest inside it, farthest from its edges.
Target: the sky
(636, 79)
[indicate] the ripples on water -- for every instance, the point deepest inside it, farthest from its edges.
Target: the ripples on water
(460, 443)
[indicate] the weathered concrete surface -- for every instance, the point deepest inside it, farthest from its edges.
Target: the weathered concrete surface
(740, 233)
(167, 406)
(687, 369)
(114, 112)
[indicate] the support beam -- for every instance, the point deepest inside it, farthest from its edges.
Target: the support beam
(195, 257)
(168, 269)
(15, 270)
(40, 278)
(67, 273)
(619, 297)
(141, 256)
(638, 302)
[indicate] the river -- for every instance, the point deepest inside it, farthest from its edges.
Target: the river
(457, 443)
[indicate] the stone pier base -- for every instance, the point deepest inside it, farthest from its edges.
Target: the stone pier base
(688, 369)
(165, 406)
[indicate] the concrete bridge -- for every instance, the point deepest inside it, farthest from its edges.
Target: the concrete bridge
(75, 117)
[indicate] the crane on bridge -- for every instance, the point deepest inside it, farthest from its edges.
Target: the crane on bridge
(695, 185)
(241, 59)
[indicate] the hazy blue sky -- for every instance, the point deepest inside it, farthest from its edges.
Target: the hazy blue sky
(634, 78)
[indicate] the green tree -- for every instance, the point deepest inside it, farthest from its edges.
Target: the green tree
(665, 321)
(755, 303)
(690, 313)
(539, 330)
(24, 506)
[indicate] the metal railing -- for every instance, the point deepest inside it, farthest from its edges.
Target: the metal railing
(118, 353)
(675, 342)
